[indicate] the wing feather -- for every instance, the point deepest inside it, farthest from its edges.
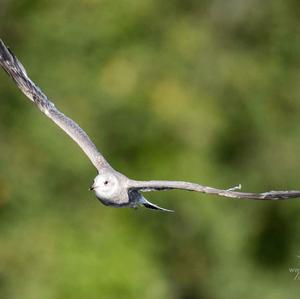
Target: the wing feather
(146, 186)
(17, 72)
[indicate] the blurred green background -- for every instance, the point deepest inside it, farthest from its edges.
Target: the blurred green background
(206, 91)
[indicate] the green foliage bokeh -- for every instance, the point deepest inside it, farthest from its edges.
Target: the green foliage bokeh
(206, 91)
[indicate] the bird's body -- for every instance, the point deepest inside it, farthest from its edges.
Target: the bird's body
(111, 187)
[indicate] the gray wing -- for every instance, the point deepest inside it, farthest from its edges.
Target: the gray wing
(17, 72)
(146, 186)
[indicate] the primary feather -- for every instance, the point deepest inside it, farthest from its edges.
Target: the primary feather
(17, 72)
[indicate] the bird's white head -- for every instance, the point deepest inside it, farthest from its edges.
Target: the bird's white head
(105, 185)
(109, 189)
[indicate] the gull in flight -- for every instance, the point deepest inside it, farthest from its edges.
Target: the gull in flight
(111, 187)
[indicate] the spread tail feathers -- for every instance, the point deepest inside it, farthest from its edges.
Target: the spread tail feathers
(149, 205)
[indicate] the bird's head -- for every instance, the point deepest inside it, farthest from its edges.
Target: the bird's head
(110, 188)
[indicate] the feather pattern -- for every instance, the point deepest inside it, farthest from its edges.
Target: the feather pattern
(17, 72)
(146, 186)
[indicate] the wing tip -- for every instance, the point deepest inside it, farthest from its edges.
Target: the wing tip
(5, 53)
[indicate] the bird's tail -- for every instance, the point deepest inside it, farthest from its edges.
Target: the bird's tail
(149, 205)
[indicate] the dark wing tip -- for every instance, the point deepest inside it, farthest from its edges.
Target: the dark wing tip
(9, 61)
(5, 54)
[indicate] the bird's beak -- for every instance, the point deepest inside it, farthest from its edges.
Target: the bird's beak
(92, 188)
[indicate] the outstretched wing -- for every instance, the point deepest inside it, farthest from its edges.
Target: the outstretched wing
(17, 72)
(146, 186)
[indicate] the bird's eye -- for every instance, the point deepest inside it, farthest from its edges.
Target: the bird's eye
(106, 182)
